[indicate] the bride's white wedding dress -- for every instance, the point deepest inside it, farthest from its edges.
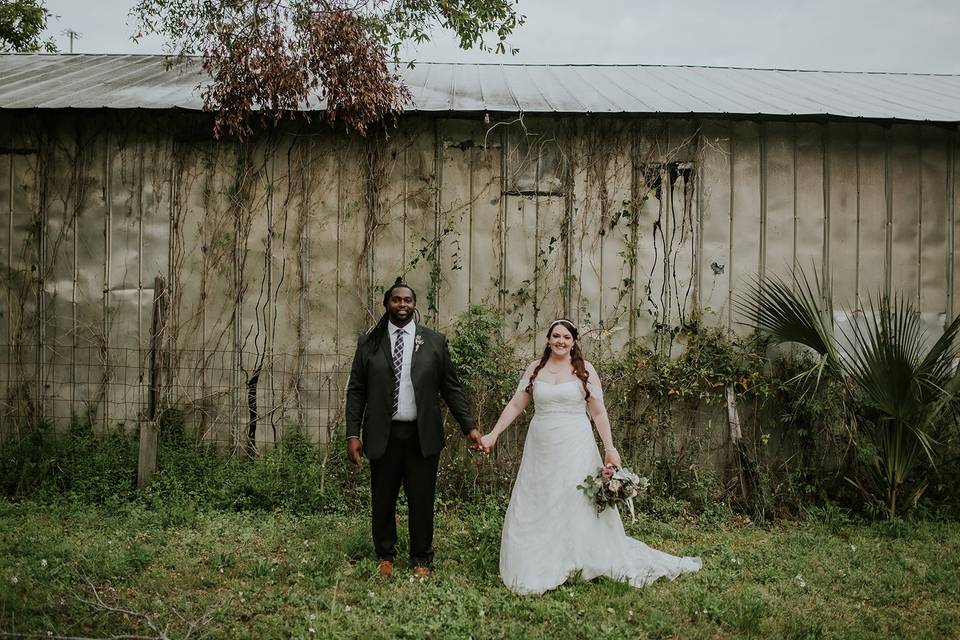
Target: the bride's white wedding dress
(551, 530)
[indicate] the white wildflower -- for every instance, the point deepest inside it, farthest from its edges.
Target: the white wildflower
(14, 580)
(801, 581)
(43, 563)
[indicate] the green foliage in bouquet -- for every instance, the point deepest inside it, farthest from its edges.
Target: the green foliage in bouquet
(613, 487)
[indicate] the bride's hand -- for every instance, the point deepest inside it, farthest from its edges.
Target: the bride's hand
(488, 441)
(612, 456)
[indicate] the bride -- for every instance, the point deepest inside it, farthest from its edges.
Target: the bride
(551, 530)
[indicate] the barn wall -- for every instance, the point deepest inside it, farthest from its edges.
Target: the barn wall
(275, 251)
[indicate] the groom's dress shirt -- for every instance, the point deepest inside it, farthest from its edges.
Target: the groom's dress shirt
(407, 403)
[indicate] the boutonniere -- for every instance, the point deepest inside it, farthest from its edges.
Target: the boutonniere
(417, 343)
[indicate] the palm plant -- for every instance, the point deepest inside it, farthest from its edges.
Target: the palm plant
(900, 392)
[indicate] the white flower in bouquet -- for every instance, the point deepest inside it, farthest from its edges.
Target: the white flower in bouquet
(611, 487)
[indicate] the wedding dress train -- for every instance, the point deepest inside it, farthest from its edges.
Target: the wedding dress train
(551, 530)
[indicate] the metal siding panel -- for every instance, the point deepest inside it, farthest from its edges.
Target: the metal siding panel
(520, 253)
(324, 294)
(584, 233)
(616, 243)
(257, 300)
(323, 246)
(933, 224)
(745, 250)
(25, 317)
(91, 260)
(905, 237)
(458, 139)
(810, 203)
(122, 304)
(682, 227)
(484, 256)
(420, 226)
(873, 218)
(61, 169)
(715, 215)
(780, 198)
(550, 260)
(608, 164)
(842, 158)
(203, 284)
(682, 247)
(155, 203)
(649, 149)
(953, 199)
(284, 194)
(6, 290)
(387, 160)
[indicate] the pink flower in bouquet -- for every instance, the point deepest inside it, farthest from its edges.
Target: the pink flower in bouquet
(607, 471)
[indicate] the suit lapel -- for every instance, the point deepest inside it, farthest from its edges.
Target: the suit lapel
(385, 350)
(417, 339)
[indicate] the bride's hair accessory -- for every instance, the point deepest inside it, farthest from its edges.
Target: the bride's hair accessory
(569, 323)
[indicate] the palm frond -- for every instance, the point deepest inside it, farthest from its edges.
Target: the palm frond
(791, 312)
(887, 349)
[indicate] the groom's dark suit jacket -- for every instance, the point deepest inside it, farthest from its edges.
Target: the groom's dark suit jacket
(370, 392)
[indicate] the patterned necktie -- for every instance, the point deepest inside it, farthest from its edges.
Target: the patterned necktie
(397, 365)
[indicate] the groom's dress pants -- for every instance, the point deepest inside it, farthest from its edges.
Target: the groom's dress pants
(404, 465)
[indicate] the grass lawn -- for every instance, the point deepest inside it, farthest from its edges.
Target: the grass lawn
(219, 574)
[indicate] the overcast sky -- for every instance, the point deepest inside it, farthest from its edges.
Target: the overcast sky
(855, 35)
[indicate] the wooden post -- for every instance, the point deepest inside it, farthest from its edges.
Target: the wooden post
(736, 434)
(149, 429)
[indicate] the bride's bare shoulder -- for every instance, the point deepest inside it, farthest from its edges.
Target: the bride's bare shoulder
(591, 371)
(533, 365)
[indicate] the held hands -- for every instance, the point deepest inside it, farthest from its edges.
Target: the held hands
(488, 441)
(476, 441)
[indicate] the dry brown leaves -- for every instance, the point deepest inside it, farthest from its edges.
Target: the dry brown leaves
(272, 67)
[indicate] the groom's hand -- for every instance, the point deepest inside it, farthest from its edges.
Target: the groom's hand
(475, 443)
(355, 451)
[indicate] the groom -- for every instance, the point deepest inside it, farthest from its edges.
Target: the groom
(393, 416)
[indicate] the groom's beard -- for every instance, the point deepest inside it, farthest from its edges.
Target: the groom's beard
(400, 321)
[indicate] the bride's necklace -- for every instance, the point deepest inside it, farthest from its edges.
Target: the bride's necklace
(555, 371)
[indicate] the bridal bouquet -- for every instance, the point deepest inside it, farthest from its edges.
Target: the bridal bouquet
(612, 486)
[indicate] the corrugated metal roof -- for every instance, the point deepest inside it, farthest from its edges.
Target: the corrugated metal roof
(51, 81)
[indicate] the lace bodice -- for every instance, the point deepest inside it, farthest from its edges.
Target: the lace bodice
(564, 397)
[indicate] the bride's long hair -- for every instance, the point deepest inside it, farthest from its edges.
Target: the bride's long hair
(576, 357)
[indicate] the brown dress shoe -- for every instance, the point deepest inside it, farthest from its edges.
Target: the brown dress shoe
(385, 567)
(422, 572)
